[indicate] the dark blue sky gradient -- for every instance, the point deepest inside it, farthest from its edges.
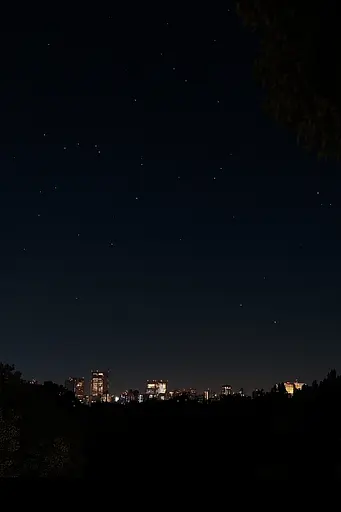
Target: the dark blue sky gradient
(164, 300)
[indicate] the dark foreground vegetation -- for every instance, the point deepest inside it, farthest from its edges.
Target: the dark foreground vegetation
(45, 432)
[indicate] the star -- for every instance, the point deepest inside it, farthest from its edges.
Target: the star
(136, 198)
(173, 69)
(78, 234)
(318, 193)
(38, 214)
(64, 148)
(214, 177)
(186, 81)
(240, 305)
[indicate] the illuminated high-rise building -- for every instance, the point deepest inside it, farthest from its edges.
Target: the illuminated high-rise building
(192, 393)
(76, 385)
(80, 388)
(226, 390)
(99, 386)
(291, 387)
(156, 389)
(129, 396)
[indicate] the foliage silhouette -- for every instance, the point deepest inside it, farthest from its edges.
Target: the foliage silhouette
(38, 428)
(45, 432)
(299, 67)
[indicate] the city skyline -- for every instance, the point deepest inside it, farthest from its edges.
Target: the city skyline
(99, 380)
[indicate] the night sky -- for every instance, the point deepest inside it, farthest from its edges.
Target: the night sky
(154, 221)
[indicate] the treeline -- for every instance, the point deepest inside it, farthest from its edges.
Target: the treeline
(46, 432)
(38, 428)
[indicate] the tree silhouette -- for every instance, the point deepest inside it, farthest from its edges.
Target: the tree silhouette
(9, 376)
(278, 389)
(45, 432)
(299, 67)
(38, 436)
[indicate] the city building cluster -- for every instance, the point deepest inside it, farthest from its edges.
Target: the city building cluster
(99, 391)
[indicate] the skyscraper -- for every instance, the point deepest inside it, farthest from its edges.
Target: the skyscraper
(226, 390)
(99, 386)
(156, 389)
(76, 385)
(291, 387)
